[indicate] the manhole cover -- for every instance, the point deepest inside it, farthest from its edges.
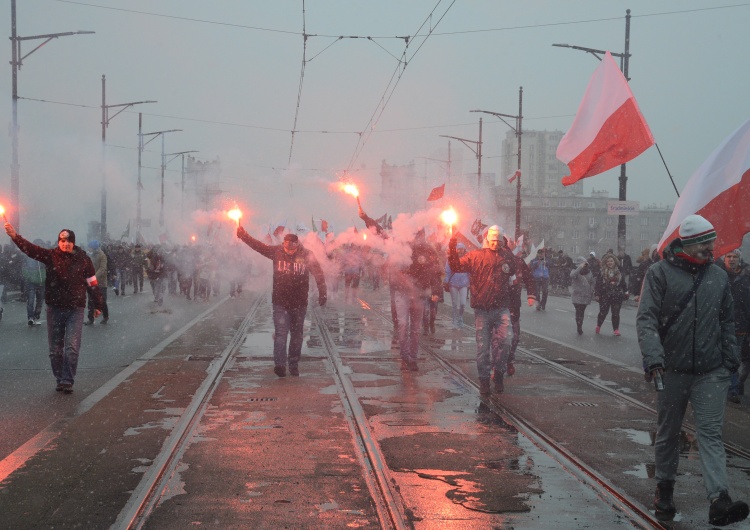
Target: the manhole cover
(262, 399)
(583, 404)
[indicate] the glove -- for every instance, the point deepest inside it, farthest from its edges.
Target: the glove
(531, 301)
(322, 299)
(241, 232)
(453, 243)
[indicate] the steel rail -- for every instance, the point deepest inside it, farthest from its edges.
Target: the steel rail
(618, 499)
(377, 475)
(136, 511)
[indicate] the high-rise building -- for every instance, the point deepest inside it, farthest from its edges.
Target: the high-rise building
(541, 171)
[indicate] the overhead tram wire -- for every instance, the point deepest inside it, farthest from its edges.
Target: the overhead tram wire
(386, 97)
(301, 79)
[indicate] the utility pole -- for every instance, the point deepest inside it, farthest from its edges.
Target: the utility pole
(141, 145)
(182, 173)
(16, 63)
(477, 150)
(624, 66)
(105, 123)
(518, 129)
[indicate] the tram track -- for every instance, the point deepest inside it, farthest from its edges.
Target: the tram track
(619, 500)
(146, 496)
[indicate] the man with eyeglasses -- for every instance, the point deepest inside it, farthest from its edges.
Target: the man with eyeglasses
(292, 264)
(70, 274)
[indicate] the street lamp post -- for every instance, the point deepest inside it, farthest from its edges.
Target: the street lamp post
(16, 63)
(141, 145)
(106, 118)
(477, 150)
(518, 129)
(624, 64)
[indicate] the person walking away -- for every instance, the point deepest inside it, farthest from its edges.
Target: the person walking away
(611, 291)
(458, 285)
(413, 285)
(34, 274)
(490, 270)
(739, 281)
(431, 303)
(626, 266)
(522, 278)
(540, 269)
(352, 266)
(647, 258)
(685, 325)
(156, 271)
(137, 264)
(581, 290)
(99, 259)
(70, 274)
(292, 265)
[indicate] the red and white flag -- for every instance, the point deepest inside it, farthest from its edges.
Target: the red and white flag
(608, 129)
(719, 191)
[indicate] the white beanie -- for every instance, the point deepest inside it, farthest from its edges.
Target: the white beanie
(494, 233)
(695, 230)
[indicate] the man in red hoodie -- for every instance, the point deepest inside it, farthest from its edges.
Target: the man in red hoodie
(70, 274)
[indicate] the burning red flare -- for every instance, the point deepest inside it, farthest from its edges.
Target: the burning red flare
(235, 214)
(351, 189)
(2, 212)
(449, 217)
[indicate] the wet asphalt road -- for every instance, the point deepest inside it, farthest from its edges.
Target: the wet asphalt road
(275, 453)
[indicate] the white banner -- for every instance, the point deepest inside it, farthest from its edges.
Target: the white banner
(623, 208)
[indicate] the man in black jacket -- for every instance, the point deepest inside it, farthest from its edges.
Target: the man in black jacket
(70, 274)
(490, 271)
(292, 265)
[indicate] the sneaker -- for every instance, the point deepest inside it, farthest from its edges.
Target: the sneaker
(59, 387)
(663, 501)
(117, 292)
(616, 333)
(598, 329)
(498, 380)
(105, 320)
(280, 370)
(67, 388)
(294, 370)
(484, 387)
(734, 397)
(723, 511)
(580, 331)
(37, 322)
(31, 322)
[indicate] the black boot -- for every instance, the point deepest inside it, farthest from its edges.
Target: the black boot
(723, 511)
(498, 380)
(484, 387)
(664, 501)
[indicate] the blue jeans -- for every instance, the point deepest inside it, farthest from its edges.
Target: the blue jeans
(34, 299)
(492, 324)
(64, 328)
(458, 301)
(288, 322)
(409, 309)
(707, 395)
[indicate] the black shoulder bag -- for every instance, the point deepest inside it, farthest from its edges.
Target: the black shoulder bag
(682, 305)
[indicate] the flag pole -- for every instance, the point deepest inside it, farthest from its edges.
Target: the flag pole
(668, 173)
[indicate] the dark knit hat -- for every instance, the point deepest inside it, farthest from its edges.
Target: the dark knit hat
(292, 238)
(67, 233)
(695, 230)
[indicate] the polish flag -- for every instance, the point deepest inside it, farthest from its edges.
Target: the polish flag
(718, 190)
(608, 129)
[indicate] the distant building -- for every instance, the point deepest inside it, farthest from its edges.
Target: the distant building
(201, 188)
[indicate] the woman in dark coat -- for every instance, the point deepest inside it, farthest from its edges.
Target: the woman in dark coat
(611, 292)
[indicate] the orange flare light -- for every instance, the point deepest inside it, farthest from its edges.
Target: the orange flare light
(2, 212)
(235, 214)
(449, 217)
(351, 189)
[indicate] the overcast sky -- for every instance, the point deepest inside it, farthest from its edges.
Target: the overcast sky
(228, 74)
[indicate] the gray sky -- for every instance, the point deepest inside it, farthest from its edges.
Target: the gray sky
(228, 74)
